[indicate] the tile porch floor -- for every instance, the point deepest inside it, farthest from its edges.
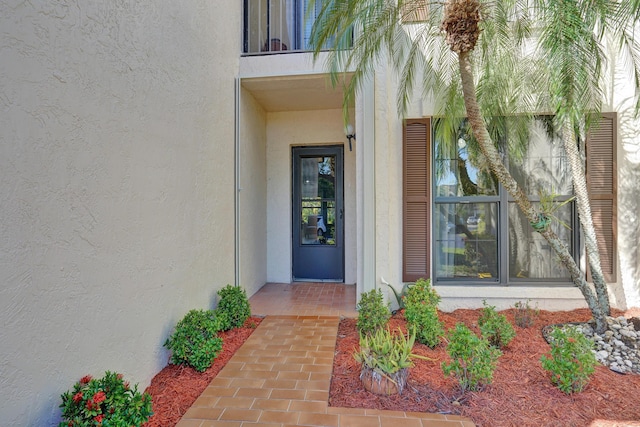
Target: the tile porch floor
(281, 374)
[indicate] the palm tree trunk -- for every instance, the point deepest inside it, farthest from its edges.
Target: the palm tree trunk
(584, 214)
(509, 183)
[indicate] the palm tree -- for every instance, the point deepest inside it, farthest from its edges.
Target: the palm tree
(488, 60)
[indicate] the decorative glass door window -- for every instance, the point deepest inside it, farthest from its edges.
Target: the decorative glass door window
(318, 201)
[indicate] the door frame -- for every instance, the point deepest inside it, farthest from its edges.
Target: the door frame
(298, 152)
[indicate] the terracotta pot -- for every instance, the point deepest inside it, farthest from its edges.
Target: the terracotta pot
(387, 385)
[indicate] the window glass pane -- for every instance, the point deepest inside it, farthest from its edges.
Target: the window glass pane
(544, 166)
(530, 256)
(467, 240)
(318, 209)
(457, 173)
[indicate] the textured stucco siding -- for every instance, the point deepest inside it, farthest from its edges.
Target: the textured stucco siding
(116, 187)
(252, 194)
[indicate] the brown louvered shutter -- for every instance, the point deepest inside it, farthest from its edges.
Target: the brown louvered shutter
(601, 183)
(416, 191)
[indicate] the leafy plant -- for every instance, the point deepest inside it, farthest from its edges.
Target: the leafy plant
(195, 341)
(387, 354)
(233, 307)
(400, 296)
(473, 359)
(571, 361)
(525, 315)
(495, 327)
(421, 312)
(108, 401)
(373, 313)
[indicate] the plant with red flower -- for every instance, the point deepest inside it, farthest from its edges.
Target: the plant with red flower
(99, 397)
(105, 401)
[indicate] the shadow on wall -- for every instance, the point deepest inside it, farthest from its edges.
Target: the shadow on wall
(629, 206)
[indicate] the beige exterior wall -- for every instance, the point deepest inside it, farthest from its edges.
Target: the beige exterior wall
(252, 194)
(285, 130)
(620, 99)
(116, 194)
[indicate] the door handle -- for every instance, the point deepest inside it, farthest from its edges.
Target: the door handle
(341, 213)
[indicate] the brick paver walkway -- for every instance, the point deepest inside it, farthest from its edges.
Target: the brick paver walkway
(281, 377)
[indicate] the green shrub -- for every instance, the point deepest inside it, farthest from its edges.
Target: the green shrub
(233, 307)
(571, 362)
(107, 401)
(421, 312)
(495, 327)
(373, 313)
(195, 341)
(473, 359)
(525, 315)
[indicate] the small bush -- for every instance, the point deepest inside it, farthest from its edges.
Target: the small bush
(473, 359)
(195, 341)
(107, 401)
(495, 327)
(373, 313)
(233, 307)
(571, 362)
(525, 315)
(421, 312)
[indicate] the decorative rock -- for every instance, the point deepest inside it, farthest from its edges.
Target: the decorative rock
(617, 347)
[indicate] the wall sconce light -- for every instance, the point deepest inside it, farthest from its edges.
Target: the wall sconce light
(350, 134)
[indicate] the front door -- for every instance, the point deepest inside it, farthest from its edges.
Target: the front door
(318, 226)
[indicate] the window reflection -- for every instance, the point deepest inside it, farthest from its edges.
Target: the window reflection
(467, 240)
(530, 256)
(456, 171)
(318, 208)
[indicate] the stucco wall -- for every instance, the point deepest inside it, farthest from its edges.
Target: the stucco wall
(284, 130)
(253, 194)
(116, 188)
(628, 178)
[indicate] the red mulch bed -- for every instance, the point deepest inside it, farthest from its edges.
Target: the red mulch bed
(520, 394)
(174, 389)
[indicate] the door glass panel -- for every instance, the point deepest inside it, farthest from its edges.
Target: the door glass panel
(467, 241)
(318, 201)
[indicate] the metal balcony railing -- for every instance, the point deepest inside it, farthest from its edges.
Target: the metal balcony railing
(278, 26)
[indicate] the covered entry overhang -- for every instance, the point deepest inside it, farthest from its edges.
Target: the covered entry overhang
(273, 114)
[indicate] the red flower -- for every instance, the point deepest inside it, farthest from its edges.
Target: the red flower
(119, 376)
(126, 385)
(99, 418)
(77, 397)
(99, 397)
(85, 379)
(90, 404)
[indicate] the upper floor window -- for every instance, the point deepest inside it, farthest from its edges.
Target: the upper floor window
(278, 25)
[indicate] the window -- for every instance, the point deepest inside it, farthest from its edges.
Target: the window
(477, 233)
(279, 25)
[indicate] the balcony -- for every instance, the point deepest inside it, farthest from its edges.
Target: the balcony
(278, 26)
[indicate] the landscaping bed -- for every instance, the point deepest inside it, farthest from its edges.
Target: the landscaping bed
(521, 393)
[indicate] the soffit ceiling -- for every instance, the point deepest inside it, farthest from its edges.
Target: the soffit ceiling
(295, 93)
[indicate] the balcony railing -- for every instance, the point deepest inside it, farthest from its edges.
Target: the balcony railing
(278, 26)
